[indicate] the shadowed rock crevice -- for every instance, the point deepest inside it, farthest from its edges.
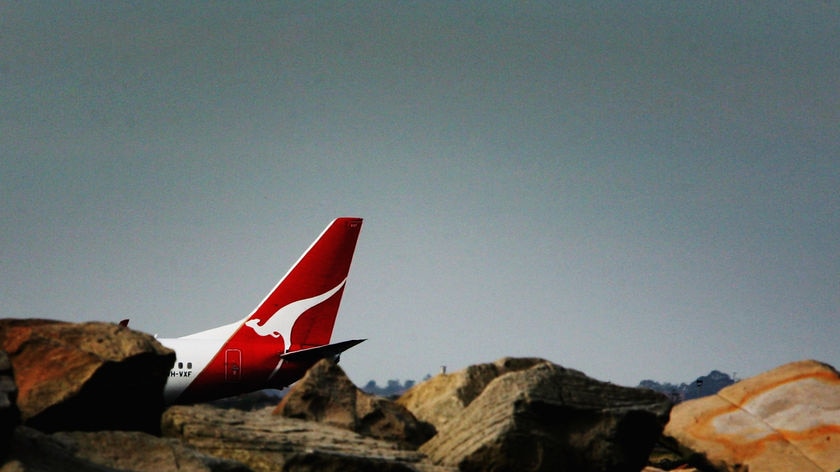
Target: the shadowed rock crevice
(9, 412)
(101, 403)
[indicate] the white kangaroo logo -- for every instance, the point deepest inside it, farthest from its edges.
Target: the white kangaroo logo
(279, 325)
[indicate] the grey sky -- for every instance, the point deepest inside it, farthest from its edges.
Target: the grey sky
(635, 190)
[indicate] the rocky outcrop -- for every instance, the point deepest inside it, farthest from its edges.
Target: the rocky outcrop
(203, 438)
(445, 396)
(785, 419)
(550, 418)
(90, 393)
(269, 443)
(101, 451)
(86, 376)
(326, 395)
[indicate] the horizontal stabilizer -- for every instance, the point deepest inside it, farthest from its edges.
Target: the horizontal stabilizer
(314, 354)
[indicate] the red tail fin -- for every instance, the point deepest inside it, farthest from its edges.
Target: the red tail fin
(302, 307)
(299, 313)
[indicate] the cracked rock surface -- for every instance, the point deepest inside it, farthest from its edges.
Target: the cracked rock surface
(785, 419)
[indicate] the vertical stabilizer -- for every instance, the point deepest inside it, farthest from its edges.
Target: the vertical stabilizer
(302, 308)
(298, 314)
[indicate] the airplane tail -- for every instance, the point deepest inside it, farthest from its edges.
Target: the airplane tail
(303, 306)
(290, 329)
(300, 311)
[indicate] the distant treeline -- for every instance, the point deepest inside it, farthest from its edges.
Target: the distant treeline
(393, 389)
(700, 387)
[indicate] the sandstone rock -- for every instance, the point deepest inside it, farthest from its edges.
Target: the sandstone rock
(326, 395)
(9, 413)
(34, 451)
(109, 451)
(86, 376)
(445, 396)
(273, 443)
(786, 419)
(548, 418)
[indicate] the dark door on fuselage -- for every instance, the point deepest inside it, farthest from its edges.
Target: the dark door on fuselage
(233, 365)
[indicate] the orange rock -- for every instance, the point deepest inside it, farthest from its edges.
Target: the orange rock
(785, 419)
(85, 376)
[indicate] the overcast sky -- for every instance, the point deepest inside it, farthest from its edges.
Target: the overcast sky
(637, 190)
